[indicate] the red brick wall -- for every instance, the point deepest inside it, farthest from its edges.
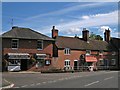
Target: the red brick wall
(75, 54)
(27, 46)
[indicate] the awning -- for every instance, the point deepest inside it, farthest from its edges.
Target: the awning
(91, 59)
(18, 56)
(41, 56)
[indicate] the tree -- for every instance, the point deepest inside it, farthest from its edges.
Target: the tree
(95, 37)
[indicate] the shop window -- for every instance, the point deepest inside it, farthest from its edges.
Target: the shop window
(41, 62)
(39, 45)
(113, 61)
(88, 52)
(67, 51)
(14, 62)
(15, 43)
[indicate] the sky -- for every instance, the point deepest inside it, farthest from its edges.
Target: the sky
(68, 17)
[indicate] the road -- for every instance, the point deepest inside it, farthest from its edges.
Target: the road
(99, 79)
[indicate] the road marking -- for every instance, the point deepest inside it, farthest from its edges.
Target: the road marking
(54, 81)
(66, 78)
(108, 78)
(43, 82)
(24, 86)
(91, 83)
(16, 87)
(38, 83)
(49, 81)
(32, 84)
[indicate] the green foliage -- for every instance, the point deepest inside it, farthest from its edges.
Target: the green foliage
(95, 37)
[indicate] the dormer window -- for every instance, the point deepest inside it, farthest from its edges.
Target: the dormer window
(88, 52)
(67, 51)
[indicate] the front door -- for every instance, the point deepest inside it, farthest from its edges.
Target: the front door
(24, 64)
(75, 65)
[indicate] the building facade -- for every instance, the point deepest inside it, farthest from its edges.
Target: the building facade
(75, 53)
(23, 48)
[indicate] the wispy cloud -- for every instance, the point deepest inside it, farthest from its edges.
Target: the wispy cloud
(96, 20)
(103, 28)
(66, 10)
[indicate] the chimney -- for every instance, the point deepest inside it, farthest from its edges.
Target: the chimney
(107, 35)
(85, 34)
(54, 32)
(14, 27)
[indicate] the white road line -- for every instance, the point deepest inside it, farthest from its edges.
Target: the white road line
(24, 86)
(54, 81)
(66, 78)
(108, 78)
(49, 81)
(91, 83)
(38, 83)
(16, 87)
(32, 84)
(43, 82)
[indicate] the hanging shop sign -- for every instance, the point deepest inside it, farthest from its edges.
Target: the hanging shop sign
(18, 56)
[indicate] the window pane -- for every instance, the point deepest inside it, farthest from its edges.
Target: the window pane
(39, 45)
(67, 51)
(14, 43)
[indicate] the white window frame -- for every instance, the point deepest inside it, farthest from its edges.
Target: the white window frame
(88, 51)
(14, 43)
(67, 64)
(41, 44)
(67, 51)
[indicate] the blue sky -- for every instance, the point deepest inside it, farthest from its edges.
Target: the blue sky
(69, 17)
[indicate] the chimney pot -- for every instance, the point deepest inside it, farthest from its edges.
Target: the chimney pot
(84, 29)
(14, 27)
(53, 27)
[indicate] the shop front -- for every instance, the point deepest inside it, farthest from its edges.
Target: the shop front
(42, 60)
(91, 62)
(17, 61)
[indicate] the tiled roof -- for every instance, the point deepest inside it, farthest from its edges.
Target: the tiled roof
(79, 43)
(25, 33)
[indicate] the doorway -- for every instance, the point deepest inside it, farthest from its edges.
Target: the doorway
(75, 64)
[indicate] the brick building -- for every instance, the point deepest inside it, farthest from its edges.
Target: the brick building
(74, 52)
(21, 47)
